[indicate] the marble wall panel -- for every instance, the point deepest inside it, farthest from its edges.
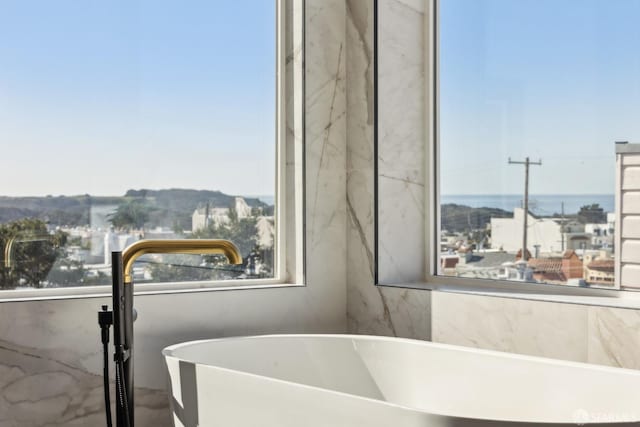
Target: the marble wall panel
(326, 134)
(372, 309)
(534, 328)
(360, 206)
(614, 337)
(582, 333)
(51, 364)
(401, 140)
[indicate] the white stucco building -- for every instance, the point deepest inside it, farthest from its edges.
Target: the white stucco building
(204, 216)
(547, 234)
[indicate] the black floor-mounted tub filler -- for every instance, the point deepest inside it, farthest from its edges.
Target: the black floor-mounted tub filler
(123, 314)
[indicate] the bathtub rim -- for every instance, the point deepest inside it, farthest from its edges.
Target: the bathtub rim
(168, 351)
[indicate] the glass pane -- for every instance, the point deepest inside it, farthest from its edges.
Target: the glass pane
(124, 120)
(542, 88)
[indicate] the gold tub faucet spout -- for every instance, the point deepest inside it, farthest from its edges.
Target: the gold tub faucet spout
(184, 246)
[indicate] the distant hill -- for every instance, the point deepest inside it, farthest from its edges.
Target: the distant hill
(181, 199)
(459, 218)
(58, 210)
(171, 207)
(174, 207)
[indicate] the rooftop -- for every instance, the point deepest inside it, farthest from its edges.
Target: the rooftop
(490, 259)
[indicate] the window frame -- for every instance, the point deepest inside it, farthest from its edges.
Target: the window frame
(289, 270)
(434, 281)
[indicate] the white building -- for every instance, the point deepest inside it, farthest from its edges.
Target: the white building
(517, 271)
(601, 235)
(627, 239)
(113, 241)
(546, 234)
(204, 216)
(242, 208)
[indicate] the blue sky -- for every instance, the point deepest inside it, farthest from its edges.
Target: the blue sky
(552, 79)
(102, 96)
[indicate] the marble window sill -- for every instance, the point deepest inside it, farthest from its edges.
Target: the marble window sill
(559, 294)
(142, 289)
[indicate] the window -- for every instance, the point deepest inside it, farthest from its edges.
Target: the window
(124, 120)
(532, 97)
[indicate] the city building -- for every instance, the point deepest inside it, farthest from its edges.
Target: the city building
(207, 215)
(557, 268)
(548, 234)
(599, 270)
(602, 234)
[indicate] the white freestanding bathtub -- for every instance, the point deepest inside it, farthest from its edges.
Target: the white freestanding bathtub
(349, 380)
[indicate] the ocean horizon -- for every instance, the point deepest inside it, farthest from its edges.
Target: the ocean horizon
(539, 204)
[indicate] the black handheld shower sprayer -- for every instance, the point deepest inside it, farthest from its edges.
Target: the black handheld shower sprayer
(123, 314)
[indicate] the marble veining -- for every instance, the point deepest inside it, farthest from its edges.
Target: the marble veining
(371, 309)
(325, 142)
(40, 391)
(365, 306)
(614, 337)
(363, 239)
(328, 147)
(359, 30)
(417, 5)
(326, 119)
(401, 141)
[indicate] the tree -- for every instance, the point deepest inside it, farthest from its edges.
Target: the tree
(132, 214)
(66, 272)
(29, 252)
(233, 215)
(179, 267)
(593, 214)
(242, 232)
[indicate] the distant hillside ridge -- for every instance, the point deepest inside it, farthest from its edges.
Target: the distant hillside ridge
(191, 199)
(169, 207)
(460, 218)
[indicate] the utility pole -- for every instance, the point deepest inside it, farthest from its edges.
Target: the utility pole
(526, 164)
(562, 229)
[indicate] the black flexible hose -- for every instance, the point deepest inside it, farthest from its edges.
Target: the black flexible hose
(107, 397)
(122, 393)
(105, 320)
